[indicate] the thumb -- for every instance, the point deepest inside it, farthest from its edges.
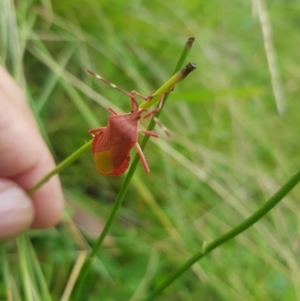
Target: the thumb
(16, 209)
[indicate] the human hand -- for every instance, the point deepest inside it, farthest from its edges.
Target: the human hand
(24, 160)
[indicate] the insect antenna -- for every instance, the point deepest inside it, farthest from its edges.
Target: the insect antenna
(104, 80)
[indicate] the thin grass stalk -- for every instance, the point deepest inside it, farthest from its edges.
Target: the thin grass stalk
(21, 243)
(247, 223)
(61, 166)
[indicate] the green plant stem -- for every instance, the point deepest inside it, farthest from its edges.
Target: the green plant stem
(122, 192)
(24, 268)
(61, 166)
(6, 272)
(168, 86)
(205, 249)
(152, 122)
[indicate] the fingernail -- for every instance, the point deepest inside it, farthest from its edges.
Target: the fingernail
(16, 211)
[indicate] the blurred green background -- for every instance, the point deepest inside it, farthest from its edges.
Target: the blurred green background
(235, 141)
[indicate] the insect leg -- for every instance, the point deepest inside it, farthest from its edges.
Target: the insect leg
(136, 93)
(142, 157)
(153, 112)
(149, 133)
(113, 111)
(96, 130)
(134, 104)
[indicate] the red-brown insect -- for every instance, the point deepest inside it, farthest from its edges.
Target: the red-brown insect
(112, 144)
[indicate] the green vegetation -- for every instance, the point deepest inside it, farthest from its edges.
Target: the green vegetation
(235, 135)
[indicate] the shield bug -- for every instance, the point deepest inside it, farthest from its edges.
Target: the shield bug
(112, 144)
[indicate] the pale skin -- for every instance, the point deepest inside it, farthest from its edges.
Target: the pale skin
(24, 160)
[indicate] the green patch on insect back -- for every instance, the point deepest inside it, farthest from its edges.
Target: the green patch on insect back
(103, 162)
